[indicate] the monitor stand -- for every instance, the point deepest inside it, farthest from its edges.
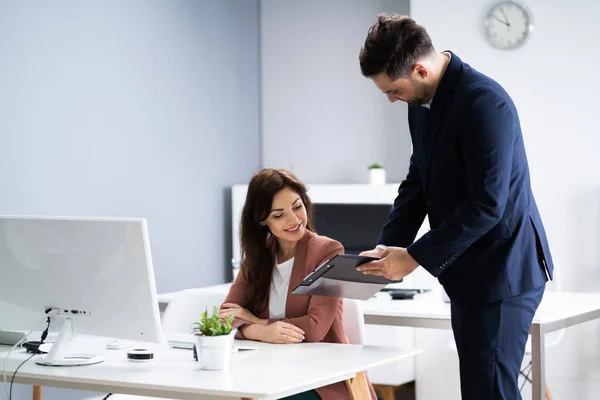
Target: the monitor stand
(59, 358)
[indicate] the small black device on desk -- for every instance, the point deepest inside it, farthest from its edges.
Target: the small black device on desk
(33, 346)
(404, 294)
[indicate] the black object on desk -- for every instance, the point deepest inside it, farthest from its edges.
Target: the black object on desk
(404, 294)
(338, 277)
(33, 346)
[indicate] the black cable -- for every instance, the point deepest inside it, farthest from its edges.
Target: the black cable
(14, 374)
(45, 333)
(44, 336)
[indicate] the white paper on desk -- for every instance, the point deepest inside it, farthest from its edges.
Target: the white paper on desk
(186, 341)
(243, 348)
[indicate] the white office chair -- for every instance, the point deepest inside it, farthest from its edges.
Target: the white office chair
(186, 307)
(353, 321)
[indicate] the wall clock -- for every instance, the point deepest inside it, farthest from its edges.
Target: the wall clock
(508, 25)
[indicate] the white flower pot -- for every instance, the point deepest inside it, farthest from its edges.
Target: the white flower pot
(214, 352)
(377, 176)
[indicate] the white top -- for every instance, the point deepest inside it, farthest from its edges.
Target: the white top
(279, 288)
(173, 374)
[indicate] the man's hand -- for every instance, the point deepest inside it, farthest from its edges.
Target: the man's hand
(239, 312)
(394, 263)
(376, 252)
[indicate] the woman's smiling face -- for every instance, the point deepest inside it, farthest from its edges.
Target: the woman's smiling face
(287, 218)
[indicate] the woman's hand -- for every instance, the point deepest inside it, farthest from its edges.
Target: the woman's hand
(283, 332)
(239, 312)
(278, 332)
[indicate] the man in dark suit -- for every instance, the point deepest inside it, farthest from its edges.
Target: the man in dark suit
(468, 173)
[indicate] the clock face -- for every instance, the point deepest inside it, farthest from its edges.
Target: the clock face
(508, 25)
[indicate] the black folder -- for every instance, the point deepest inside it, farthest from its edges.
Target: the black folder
(338, 277)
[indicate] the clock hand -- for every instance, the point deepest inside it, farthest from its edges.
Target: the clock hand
(505, 23)
(505, 17)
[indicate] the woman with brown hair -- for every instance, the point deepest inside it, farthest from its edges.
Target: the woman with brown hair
(279, 248)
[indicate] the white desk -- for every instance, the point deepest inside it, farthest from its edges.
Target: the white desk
(557, 310)
(271, 372)
(393, 374)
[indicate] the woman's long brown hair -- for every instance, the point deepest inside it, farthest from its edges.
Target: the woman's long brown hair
(257, 261)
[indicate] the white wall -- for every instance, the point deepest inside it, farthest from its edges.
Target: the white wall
(553, 83)
(139, 108)
(129, 108)
(321, 118)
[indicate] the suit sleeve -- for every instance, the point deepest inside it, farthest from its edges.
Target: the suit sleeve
(237, 295)
(321, 309)
(408, 211)
(487, 149)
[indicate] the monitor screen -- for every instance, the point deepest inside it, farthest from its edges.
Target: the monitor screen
(356, 226)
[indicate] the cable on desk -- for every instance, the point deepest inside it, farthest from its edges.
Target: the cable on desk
(44, 336)
(15, 373)
(9, 353)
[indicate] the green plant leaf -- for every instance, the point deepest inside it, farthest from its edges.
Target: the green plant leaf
(212, 325)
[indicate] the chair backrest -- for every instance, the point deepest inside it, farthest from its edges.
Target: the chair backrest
(187, 307)
(353, 321)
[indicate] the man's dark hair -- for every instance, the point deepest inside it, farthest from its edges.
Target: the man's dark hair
(394, 44)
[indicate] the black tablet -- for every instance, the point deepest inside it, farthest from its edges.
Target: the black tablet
(338, 277)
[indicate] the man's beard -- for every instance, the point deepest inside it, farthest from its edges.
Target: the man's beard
(422, 94)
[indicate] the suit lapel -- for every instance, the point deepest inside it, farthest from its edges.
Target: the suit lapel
(434, 120)
(293, 302)
(272, 246)
(420, 116)
(438, 111)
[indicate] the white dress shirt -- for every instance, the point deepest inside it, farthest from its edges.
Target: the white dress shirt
(279, 288)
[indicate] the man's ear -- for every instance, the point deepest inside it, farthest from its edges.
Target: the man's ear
(420, 72)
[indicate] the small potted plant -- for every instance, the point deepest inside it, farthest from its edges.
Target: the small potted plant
(377, 174)
(214, 340)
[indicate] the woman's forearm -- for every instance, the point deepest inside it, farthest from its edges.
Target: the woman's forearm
(252, 331)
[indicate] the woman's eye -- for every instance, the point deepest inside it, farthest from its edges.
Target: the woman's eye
(298, 207)
(278, 216)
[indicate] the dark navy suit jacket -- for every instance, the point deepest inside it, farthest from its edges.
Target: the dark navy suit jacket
(469, 174)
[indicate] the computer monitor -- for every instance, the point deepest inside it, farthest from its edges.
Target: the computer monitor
(94, 276)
